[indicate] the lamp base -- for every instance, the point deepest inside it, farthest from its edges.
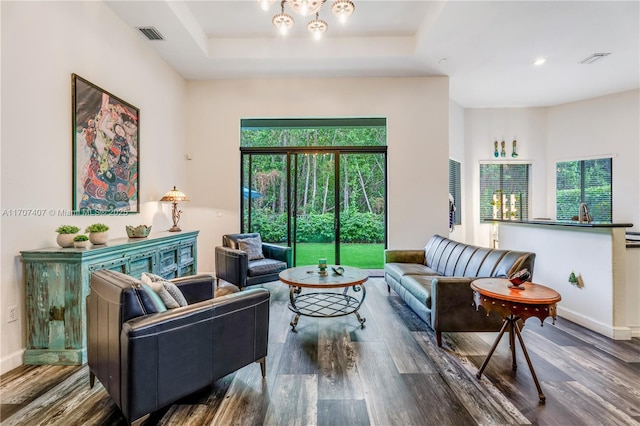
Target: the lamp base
(175, 228)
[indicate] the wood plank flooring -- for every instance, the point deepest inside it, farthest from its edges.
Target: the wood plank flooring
(332, 372)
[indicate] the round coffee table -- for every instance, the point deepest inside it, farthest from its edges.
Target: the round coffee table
(325, 304)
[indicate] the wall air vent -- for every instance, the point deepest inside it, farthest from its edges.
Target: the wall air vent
(594, 58)
(151, 33)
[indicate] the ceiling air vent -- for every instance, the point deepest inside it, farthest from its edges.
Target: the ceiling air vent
(594, 58)
(151, 33)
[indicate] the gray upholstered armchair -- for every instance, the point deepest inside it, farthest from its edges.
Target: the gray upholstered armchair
(147, 358)
(237, 264)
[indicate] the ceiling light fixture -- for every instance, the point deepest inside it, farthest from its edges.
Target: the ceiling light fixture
(539, 62)
(342, 9)
(594, 58)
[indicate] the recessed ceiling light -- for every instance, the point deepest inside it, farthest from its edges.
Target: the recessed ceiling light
(539, 61)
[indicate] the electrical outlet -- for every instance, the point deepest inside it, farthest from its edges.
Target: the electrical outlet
(13, 314)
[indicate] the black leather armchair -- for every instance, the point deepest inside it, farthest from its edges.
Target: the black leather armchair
(233, 265)
(148, 361)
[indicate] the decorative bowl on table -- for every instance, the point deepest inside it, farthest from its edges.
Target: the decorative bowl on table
(140, 231)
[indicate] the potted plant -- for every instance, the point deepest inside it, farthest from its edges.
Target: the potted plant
(66, 234)
(81, 241)
(98, 233)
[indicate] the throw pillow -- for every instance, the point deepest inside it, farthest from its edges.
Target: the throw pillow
(155, 299)
(168, 291)
(253, 247)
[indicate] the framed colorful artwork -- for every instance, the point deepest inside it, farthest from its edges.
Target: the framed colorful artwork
(106, 146)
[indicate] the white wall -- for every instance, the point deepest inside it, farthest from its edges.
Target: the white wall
(593, 129)
(43, 43)
(457, 153)
(417, 112)
(608, 125)
(482, 127)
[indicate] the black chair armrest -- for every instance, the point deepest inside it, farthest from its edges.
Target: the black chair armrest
(277, 252)
(196, 288)
(232, 265)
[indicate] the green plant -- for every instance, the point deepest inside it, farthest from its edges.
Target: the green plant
(572, 278)
(80, 237)
(67, 229)
(97, 227)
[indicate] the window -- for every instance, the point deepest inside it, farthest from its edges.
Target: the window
(454, 189)
(584, 181)
(504, 191)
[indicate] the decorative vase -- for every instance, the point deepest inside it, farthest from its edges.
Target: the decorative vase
(65, 240)
(81, 244)
(99, 238)
(140, 231)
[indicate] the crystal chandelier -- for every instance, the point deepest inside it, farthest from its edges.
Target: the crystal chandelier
(342, 9)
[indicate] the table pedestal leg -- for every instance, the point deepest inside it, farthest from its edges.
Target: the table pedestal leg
(514, 330)
(526, 356)
(512, 346)
(294, 322)
(505, 324)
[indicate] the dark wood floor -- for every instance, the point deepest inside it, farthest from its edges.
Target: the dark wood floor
(331, 372)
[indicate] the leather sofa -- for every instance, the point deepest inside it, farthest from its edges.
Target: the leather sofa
(435, 281)
(147, 361)
(233, 265)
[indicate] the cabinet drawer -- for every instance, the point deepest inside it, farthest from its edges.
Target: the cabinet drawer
(186, 253)
(168, 262)
(142, 262)
(118, 265)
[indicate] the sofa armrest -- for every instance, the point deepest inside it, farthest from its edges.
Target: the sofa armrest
(405, 256)
(277, 252)
(453, 307)
(232, 265)
(196, 288)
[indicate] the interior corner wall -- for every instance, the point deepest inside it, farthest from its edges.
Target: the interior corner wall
(416, 109)
(596, 128)
(456, 152)
(483, 126)
(43, 43)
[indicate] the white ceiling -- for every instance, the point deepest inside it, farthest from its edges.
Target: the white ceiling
(487, 48)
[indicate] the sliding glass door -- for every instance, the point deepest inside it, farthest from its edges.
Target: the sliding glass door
(326, 203)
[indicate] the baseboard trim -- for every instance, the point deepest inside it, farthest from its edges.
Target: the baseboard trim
(615, 333)
(11, 361)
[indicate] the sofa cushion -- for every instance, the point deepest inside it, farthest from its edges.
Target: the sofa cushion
(253, 247)
(265, 267)
(399, 270)
(419, 286)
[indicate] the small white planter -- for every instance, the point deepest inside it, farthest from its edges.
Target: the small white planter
(81, 244)
(99, 238)
(65, 240)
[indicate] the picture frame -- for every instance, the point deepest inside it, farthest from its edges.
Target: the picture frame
(106, 146)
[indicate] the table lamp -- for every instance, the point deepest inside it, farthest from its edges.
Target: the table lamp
(173, 197)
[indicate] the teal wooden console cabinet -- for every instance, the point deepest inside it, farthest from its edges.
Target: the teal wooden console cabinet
(57, 285)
